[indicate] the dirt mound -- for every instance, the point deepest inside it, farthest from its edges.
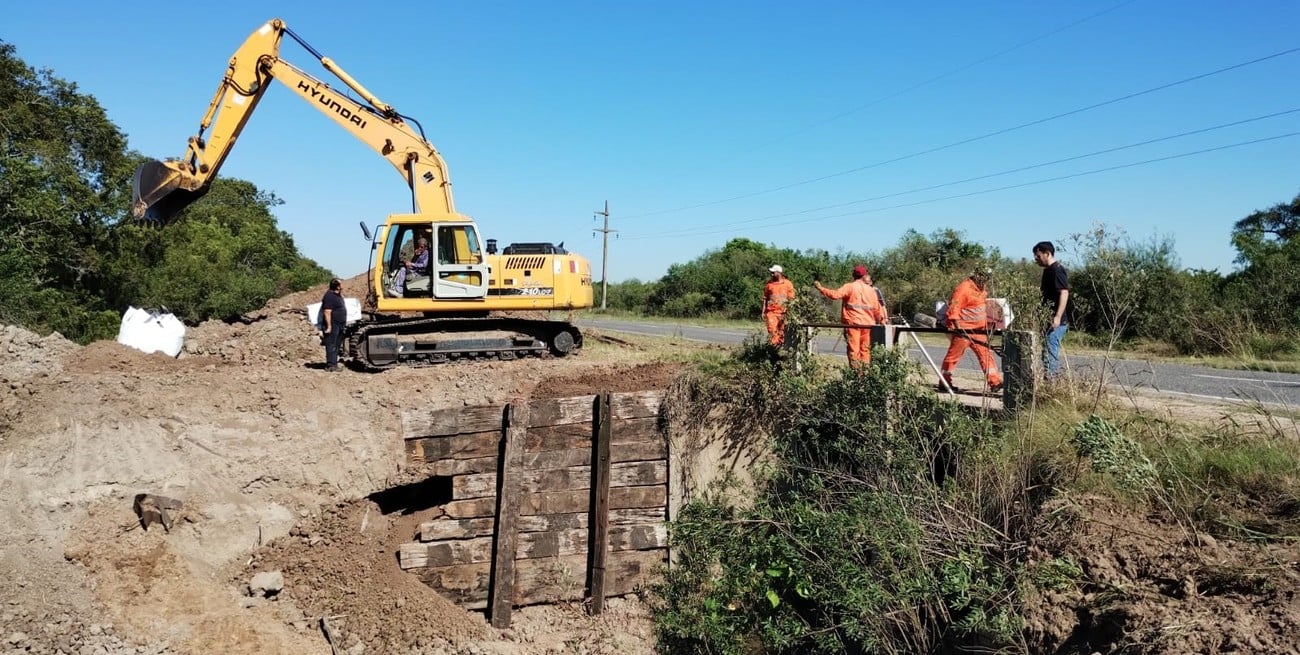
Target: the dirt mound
(1148, 585)
(276, 334)
(658, 375)
(342, 564)
(256, 442)
(27, 353)
(27, 358)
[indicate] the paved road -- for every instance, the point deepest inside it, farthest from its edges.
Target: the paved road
(1276, 388)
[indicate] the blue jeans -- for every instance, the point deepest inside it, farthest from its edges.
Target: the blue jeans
(1052, 350)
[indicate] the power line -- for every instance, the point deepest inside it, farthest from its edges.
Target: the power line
(981, 137)
(1001, 188)
(1020, 169)
(954, 71)
(934, 79)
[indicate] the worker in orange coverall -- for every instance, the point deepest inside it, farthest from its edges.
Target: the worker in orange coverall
(859, 306)
(968, 321)
(777, 293)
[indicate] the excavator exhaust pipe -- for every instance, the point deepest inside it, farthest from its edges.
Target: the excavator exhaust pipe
(160, 190)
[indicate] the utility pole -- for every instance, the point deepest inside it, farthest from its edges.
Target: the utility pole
(604, 256)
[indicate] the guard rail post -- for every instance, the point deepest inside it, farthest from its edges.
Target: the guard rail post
(1019, 366)
(884, 335)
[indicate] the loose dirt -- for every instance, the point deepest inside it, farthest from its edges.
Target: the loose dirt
(277, 462)
(1152, 585)
(274, 460)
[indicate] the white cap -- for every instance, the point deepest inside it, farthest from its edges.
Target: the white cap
(776, 268)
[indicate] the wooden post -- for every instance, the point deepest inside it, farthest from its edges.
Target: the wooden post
(804, 348)
(502, 590)
(1018, 366)
(598, 551)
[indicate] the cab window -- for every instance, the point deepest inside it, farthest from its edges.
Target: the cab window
(400, 246)
(458, 244)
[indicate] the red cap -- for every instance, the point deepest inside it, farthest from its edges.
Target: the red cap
(859, 271)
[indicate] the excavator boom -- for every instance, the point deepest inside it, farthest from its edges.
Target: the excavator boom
(161, 189)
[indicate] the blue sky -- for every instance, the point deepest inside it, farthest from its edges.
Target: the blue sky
(704, 121)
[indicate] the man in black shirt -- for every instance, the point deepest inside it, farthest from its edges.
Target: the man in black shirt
(333, 316)
(1056, 297)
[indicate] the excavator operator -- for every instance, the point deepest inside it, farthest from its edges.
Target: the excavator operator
(418, 264)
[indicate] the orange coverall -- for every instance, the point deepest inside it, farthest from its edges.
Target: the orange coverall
(776, 294)
(967, 314)
(860, 306)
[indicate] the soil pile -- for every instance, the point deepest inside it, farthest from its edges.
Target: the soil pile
(1150, 585)
(272, 459)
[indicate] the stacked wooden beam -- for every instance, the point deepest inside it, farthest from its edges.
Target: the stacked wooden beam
(568, 496)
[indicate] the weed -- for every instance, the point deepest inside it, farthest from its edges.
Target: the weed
(1114, 454)
(1057, 574)
(888, 521)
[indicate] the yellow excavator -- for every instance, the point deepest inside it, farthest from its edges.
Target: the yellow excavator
(434, 292)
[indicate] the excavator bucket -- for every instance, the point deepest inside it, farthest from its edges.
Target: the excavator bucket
(159, 192)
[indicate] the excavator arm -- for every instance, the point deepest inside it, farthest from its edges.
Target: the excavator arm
(161, 189)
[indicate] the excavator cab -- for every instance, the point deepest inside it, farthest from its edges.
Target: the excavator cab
(160, 190)
(455, 268)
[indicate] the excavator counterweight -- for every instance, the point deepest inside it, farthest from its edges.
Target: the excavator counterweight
(160, 190)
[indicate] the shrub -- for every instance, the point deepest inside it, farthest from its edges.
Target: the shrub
(858, 539)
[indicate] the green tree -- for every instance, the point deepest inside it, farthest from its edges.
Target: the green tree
(1115, 284)
(920, 269)
(1268, 285)
(69, 260)
(629, 295)
(223, 258)
(726, 282)
(64, 175)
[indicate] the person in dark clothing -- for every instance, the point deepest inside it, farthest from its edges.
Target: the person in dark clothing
(333, 316)
(1056, 297)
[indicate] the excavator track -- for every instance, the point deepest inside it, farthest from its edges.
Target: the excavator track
(378, 343)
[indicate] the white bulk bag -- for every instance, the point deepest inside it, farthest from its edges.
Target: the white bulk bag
(998, 311)
(353, 306)
(151, 332)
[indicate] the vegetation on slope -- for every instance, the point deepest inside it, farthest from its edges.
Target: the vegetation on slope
(890, 521)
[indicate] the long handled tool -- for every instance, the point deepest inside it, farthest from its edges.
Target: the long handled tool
(935, 367)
